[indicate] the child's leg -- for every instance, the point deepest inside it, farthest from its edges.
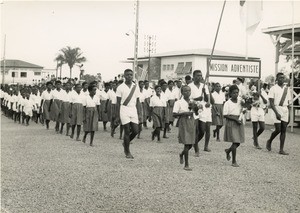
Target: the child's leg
(73, 130)
(233, 150)
(158, 130)
(187, 147)
(27, 120)
(104, 125)
(78, 132)
(57, 127)
(207, 136)
(68, 129)
(92, 138)
(62, 128)
(140, 130)
(261, 128)
(84, 136)
(273, 135)
(121, 131)
(218, 127)
(254, 130)
(23, 117)
(165, 130)
(47, 124)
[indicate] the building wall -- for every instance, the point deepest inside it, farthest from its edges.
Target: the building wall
(198, 62)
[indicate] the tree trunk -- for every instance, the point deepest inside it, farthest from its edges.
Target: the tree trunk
(70, 73)
(60, 71)
(56, 72)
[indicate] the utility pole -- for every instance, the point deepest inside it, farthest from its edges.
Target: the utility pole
(3, 72)
(136, 38)
(149, 47)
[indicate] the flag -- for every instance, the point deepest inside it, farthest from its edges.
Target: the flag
(250, 14)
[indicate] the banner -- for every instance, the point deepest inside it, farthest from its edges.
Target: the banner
(234, 68)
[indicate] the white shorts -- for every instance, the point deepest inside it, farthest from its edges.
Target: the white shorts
(257, 114)
(284, 112)
(128, 114)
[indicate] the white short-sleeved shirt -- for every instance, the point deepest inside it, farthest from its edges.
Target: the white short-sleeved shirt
(276, 93)
(156, 101)
(182, 106)
(171, 94)
(91, 102)
(242, 90)
(195, 91)
(142, 97)
(58, 95)
(104, 95)
(77, 98)
(265, 95)
(113, 97)
(219, 98)
(148, 92)
(177, 93)
(46, 95)
(231, 108)
(86, 93)
(67, 96)
(123, 91)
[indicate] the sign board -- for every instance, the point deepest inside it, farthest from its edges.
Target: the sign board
(220, 67)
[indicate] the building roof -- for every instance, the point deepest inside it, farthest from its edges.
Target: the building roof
(201, 52)
(11, 63)
(285, 31)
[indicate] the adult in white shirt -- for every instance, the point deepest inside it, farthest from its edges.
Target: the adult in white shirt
(217, 110)
(199, 93)
(127, 103)
(84, 90)
(242, 89)
(45, 103)
(77, 100)
(141, 107)
(177, 89)
(91, 109)
(280, 98)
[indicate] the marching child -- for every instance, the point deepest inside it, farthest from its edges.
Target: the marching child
(186, 123)
(234, 129)
(91, 111)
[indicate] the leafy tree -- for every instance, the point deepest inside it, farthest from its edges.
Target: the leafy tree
(60, 60)
(72, 56)
(89, 78)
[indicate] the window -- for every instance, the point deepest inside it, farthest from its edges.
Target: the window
(37, 73)
(164, 67)
(172, 67)
(188, 68)
(168, 67)
(179, 68)
(23, 74)
(13, 74)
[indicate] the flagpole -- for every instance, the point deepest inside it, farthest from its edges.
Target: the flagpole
(136, 38)
(292, 84)
(213, 48)
(3, 73)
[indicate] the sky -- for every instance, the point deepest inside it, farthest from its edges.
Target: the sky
(36, 30)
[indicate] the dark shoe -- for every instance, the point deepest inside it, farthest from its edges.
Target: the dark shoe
(91, 144)
(207, 150)
(283, 153)
(214, 133)
(227, 154)
(257, 147)
(72, 136)
(268, 146)
(83, 140)
(129, 156)
(181, 159)
(235, 165)
(218, 140)
(165, 137)
(186, 168)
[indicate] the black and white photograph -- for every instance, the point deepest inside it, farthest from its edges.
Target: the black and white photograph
(150, 106)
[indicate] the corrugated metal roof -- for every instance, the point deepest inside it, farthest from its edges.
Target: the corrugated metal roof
(11, 63)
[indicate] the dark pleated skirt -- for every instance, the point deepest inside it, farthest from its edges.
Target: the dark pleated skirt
(46, 113)
(104, 116)
(65, 112)
(187, 130)
(146, 109)
(158, 117)
(77, 114)
(140, 111)
(91, 119)
(234, 132)
(55, 110)
(167, 112)
(217, 120)
(109, 115)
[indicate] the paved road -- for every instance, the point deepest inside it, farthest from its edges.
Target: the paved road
(46, 172)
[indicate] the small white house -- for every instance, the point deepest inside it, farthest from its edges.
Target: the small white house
(17, 71)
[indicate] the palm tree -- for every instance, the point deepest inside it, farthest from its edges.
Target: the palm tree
(72, 56)
(60, 60)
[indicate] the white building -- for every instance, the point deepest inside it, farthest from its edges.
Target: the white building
(17, 71)
(178, 64)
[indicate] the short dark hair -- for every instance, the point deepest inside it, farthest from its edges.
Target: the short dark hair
(84, 83)
(157, 86)
(48, 83)
(57, 82)
(184, 86)
(170, 81)
(196, 71)
(279, 74)
(128, 70)
(232, 88)
(188, 78)
(91, 87)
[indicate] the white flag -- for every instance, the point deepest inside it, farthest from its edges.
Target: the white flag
(250, 14)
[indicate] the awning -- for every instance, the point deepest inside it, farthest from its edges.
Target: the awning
(188, 68)
(179, 68)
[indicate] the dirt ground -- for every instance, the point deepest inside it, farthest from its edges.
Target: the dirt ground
(42, 171)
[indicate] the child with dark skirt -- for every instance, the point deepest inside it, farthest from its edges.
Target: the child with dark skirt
(234, 129)
(91, 109)
(186, 123)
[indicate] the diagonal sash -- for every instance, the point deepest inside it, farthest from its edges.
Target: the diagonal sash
(283, 96)
(128, 99)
